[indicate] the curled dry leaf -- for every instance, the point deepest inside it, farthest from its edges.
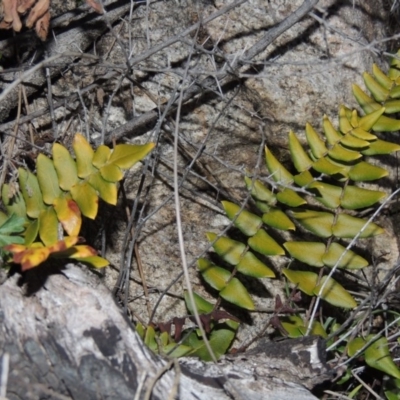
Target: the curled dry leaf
(11, 17)
(24, 5)
(42, 26)
(39, 15)
(8, 6)
(5, 25)
(40, 8)
(95, 5)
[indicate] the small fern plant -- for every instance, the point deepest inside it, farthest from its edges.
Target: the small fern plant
(43, 210)
(320, 196)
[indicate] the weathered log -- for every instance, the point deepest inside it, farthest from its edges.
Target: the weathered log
(65, 337)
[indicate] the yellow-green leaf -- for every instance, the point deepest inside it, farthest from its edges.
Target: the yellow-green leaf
(29, 186)
(86, 198)
(353, 142)
(348, 226)
(111, 173)
(150, 339)
(364, 171)
(259, 191)
(203, 306)
(334, 293)
(381, 77)
(368, 104)
(327, 194)
(395, 92)
(94, 261)
(84, 156)
(163, 339)
(394, 71)
(305, 280)
(65, 166)
(381, 147)
(316, 144)
(327, 167)
(363, 135)
(250, 265)
(246, 221)
(392, 106)
(3, 218)
(294, 326)
(175, 350)
(216, 277)
(379, 92)
(310, 253)
(331, 134)
(350, 260)
(48, 226)
(237, 294)
(377, 356)
(393, 394)
(277, 170)
(303, 179)
(344, 123)
(265, 244)
(13, 200)
(355, 345)
(48, 179)
(386, 124)
(318, 329)
(290, 198)
(352, 116)
(369, 120)
(338, 152)
(318, 222)
(263, 207)
(300, 158)
(31, 232)
(126, 155)
(107, 190)
(230, 250)
(101, 156)
(220, 341)
(355, 197)
(276, 218)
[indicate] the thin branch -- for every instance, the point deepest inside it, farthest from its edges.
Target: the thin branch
(282, 27)
(42, 64)
(209, 82)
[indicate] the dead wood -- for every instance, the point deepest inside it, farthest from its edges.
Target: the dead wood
(65, 337)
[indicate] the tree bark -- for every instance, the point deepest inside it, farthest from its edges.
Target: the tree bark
(64, 337)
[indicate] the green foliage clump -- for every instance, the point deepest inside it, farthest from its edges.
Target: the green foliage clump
(317, 198)
(42, 207)
(320, 196)
(219, 326)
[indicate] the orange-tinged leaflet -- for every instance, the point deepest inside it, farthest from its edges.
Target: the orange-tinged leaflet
(69, 215)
